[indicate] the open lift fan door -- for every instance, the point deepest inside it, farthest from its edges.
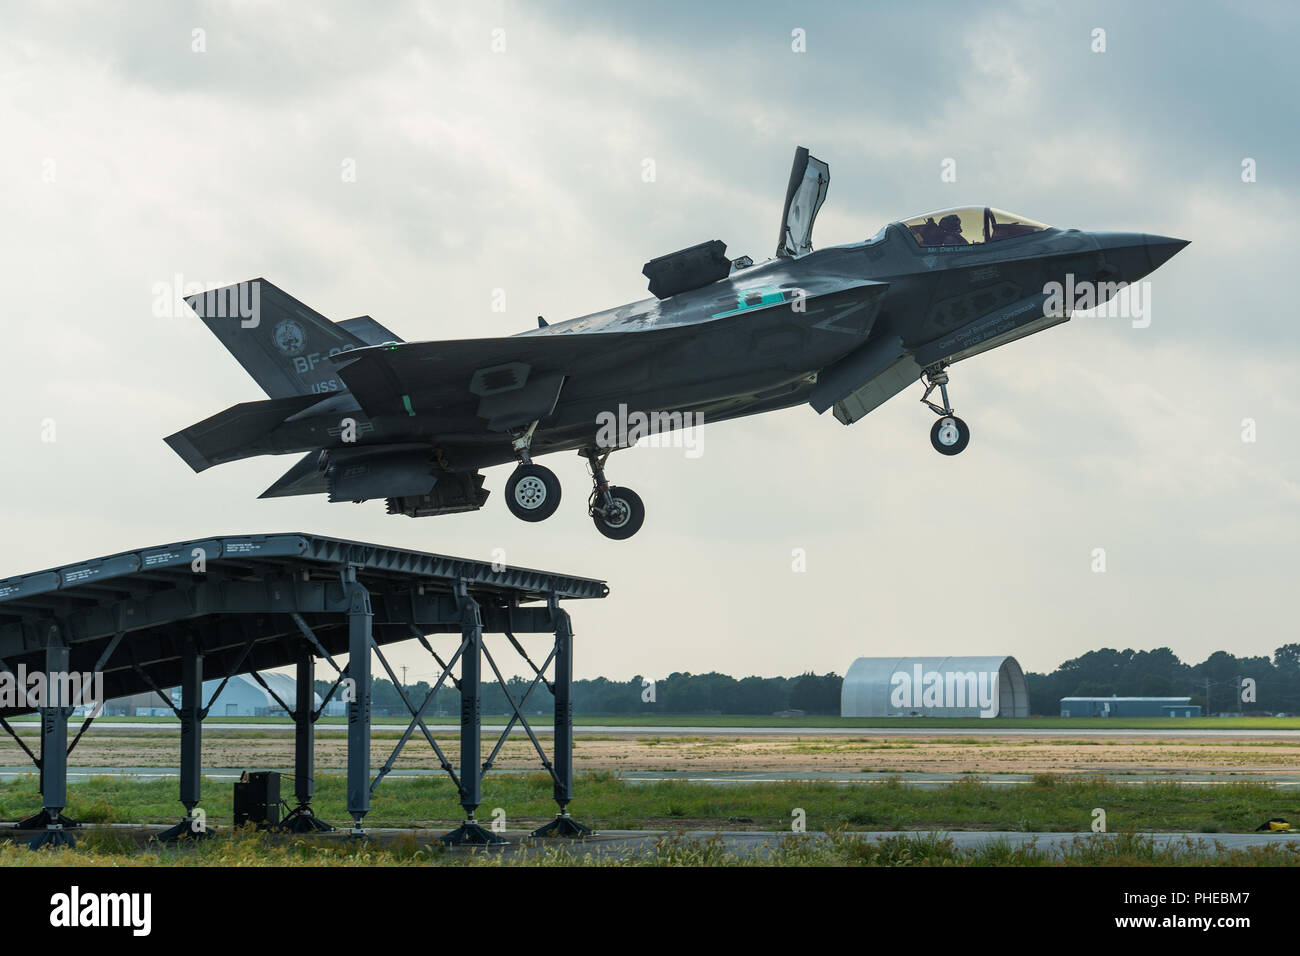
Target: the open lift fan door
(809, 180)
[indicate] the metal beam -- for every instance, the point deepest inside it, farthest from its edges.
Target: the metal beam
(54, 730)
(563, 707)
(471, 726)
(54, 748)
(360, 626)
(191, 730)
(302, 819)
(563, 825)
(471, 708)
(304, 730)
(191, 712)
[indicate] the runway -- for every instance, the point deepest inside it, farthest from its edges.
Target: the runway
(922, 781)
(704, 730)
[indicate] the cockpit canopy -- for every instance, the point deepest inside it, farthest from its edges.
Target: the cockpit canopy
(969, 226)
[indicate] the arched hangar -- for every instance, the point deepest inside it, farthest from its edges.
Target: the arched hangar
(934, 687)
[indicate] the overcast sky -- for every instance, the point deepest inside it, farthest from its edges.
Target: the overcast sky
(130, 157)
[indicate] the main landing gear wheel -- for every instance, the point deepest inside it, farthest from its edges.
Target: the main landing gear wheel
(533, 492)
(949, 436)
(622, 516)
(617, 512)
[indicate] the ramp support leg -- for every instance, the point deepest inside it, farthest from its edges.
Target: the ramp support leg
(360, 636)
(301, 819)
(471, 832)
(563, 825)
(54, 751)
(194, 826)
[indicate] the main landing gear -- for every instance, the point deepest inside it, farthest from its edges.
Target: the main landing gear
(533, 492)
(949, 435)
(617, 512)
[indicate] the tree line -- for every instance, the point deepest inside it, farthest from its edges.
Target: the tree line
(678, 693)
(1216, 684)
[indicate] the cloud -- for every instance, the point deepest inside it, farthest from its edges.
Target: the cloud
(522, 171)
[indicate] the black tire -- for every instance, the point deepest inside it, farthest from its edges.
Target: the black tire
(532, 493)
(942, 436)
(628, 519)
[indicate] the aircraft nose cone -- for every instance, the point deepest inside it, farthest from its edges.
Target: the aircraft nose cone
(1160, 249)
(1131, 256)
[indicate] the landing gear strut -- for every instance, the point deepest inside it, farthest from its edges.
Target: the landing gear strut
(532, 491)
(617, 512)
(949, 435)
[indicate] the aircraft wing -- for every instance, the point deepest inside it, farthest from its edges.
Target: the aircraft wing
(514, 380)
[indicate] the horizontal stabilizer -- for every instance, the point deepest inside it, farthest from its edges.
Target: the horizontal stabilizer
(235, 433)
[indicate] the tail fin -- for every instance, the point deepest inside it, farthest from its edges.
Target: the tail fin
(284, 345)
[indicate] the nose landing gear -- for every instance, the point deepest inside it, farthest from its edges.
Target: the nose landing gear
(617, 512)
(949, 435)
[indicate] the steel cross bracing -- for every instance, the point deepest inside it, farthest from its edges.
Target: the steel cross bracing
(468, 781)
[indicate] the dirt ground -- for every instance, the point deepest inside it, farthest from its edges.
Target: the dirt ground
(793, 753)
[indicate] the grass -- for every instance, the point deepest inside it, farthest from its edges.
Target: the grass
(838, 848)
(816, 720)
(1047, 803)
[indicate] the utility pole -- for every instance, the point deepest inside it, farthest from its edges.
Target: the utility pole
(1208, 712)
(403, 678)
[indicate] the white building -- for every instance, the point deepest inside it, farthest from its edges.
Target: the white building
(245, 697)
(934, 687)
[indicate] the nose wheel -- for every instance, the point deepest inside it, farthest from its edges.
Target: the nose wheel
(949, 435)
(617, 512)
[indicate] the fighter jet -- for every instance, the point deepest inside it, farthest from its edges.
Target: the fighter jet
(842, 329)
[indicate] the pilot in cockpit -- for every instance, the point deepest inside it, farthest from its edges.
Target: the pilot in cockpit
(950, 228)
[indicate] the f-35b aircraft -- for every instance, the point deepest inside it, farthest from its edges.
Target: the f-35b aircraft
(842, 329)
